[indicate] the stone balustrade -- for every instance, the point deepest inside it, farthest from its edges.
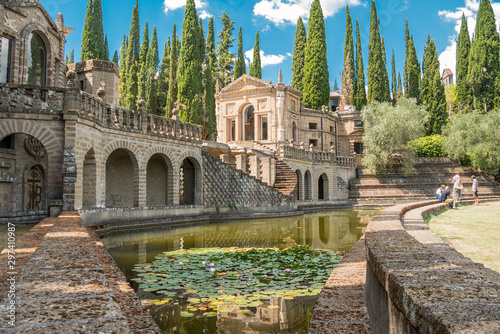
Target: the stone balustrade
(291, 152)
(58, 100)
(31, 99)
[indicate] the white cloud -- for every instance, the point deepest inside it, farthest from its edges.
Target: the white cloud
(176, 4)
(447, 58)
(265, 60)
(282, 12)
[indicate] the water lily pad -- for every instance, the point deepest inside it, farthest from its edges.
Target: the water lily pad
(210, 314)
(187, 314)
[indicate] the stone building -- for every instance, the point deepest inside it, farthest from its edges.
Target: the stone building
(447, 77)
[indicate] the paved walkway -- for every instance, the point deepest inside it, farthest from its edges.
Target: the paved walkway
(65, 282)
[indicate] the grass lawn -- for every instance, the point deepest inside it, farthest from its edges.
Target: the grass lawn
(472, 230)
(21, 228)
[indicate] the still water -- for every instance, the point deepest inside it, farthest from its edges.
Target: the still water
(336, 230)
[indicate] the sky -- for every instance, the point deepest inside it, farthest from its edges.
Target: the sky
(276, 22)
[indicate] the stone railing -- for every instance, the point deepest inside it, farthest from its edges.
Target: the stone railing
(416, 283)
(291, 152)
(59, 100)
(31, 99)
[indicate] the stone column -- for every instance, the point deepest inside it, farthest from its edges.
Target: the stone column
(280, 108)
(255, 167)
(266, 170)
(224, 158)
(241, 162)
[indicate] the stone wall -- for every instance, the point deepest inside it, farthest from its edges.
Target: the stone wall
(416, 283)
(227, 186)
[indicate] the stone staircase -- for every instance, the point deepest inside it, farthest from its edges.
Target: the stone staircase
(421, 184)
(286, 179)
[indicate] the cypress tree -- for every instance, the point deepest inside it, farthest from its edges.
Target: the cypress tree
(123, 71)
(116, 59)
(433, 90)
(335, 86)
(225, 41)
(255, 69)
(349, 72)
(483, 59)
(133, 49)
(164, 77)
(152, 62)
(316, 75)
(464, 94)
(239, 68)
(211, 47)
(298, 55)
(66, 60)
(210, 131)
(360, 72)
(412, 67)
(387, 88)
(71, 58)
(189, 66)
(172, 83)
(394, 80)
(106, 48)
(143, 55)
(203, 50)
(87, 35)
(400, 85)
(376, 67)
(98, 32)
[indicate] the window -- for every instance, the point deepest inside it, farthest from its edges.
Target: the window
(331, 129)
(37, 60)
(232, 130)
(314, 142)
(7, 142)
(313, 126)
(358, 124)
(82, 85)
(334, 104)
(358, 148)
(5, 60)
(293, 105)
(263, 121)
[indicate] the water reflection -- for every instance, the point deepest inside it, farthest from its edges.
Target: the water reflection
(333, 230)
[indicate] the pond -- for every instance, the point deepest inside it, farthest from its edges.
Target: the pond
(276, 298)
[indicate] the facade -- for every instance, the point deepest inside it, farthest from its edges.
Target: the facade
(447, 77)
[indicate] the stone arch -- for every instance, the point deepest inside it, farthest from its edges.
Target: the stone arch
(122, 179)
(159, 180)
(248, 122)
(25, 34)
(89, 189)
(307, 186)
(190, 176)
(323, 186)
(300, 185)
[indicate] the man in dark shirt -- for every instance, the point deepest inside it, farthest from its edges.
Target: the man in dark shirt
(444, 195)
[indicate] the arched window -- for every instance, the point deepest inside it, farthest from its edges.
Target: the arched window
(249, 123)
(37, 60)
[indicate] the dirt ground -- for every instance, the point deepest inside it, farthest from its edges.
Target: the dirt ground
(20, 229)
(472, 230)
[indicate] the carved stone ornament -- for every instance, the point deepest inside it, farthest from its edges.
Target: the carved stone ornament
(35, 147)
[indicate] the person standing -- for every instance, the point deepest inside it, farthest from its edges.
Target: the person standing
(475, 185)
(457, 192)
(456, 177)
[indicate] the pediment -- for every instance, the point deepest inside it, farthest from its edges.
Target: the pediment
(246, 82)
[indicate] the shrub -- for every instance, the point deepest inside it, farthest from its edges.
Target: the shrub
(429, 146)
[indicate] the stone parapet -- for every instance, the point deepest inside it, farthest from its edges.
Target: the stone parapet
(291, 152)
(416, 283)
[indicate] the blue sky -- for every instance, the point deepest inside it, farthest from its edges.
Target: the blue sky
(276, 22)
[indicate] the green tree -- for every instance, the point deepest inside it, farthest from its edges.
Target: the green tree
(400, 85)
(211, 47)
(483, 59)
(335, 86)
(316, 75)
(387, 88)
(239, 68)
(210, 128)
(477, 136)
(189, 67)
(88, 50)
(387, 131)
(98, 32)
(143, 55)
(298, 55)
(152, 62)
(71, 57)
(349, 72)
(432, 94)
(163, 78)
(132, 59)
(172, 83)
(412, 67)
(464, 94)
(116, 58)
(123, 72)
(255, 69)
(394, 79)
(225, 41)
(360, 72)
(106, 48)
(376, 66)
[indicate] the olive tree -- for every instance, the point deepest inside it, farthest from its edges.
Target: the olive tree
(476, 136)
(388, 129)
